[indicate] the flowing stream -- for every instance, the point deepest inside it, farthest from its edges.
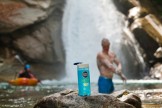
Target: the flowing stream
(26, 97)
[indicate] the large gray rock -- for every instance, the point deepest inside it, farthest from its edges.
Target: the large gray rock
(38, 46)
(70, 99)
(35, 38)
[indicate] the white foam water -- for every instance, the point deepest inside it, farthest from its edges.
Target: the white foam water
(85, 23)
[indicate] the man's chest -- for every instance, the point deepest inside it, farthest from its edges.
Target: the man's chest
(109, 57)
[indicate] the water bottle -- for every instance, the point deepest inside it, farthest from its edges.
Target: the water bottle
(83, 79)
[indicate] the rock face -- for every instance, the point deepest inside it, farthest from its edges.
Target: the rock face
(70, 99)
(143, 20)
(32, 30)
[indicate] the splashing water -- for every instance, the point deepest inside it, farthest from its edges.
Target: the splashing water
(85, 23)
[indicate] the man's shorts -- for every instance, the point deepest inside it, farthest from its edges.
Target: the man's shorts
(105, 85)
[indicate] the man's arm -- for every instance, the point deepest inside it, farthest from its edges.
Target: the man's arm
(119, 69)
(105, 62)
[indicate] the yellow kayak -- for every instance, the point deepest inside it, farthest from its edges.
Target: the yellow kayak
(24, 82)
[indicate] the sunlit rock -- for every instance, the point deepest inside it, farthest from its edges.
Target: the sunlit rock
(21, 13)
(158, 53)
(39, 3)
(152, 26)
(135, 13)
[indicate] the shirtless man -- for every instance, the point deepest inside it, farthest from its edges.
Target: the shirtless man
(105, 61)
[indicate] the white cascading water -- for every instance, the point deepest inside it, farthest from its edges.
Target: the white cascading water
(85, 23)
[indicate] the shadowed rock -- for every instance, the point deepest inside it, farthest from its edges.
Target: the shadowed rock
(70, 99)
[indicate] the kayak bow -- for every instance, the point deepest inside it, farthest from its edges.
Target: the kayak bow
(24, 82)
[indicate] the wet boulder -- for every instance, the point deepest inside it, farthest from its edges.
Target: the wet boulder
(132, 99)
(150, 96)
(156, 71)
(70, 99)
(128, 97)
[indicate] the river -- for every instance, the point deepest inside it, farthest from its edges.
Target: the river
(26, 97)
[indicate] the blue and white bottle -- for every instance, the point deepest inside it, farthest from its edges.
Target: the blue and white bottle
(83, 80)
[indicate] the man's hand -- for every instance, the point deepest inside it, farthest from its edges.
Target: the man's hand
(112, 68)
(119, 72)
(123, 78)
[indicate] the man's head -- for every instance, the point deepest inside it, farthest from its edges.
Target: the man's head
(105, 44)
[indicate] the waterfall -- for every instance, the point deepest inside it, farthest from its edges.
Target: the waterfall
(85, 23)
